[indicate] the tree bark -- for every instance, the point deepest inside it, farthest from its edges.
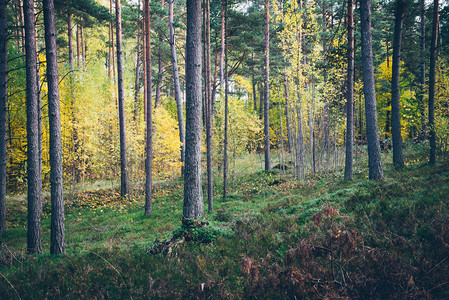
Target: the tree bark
(3, 110)
(226, 112)
(157, 100)
(267, 87)
(34, 175)
(287, 114)
(57, 200)
(433, 56)
(350, 95)
(210, 181)
(70, 40)
(124, 186)
(374, 157)
(178, 95)
(222, 42)
(422, 86)
(136, 81)
(193, 195)
(149, 117)
(398, 160)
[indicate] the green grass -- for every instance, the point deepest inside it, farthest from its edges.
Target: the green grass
(272, 237)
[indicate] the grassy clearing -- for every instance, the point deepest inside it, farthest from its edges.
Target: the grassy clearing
(272, 237)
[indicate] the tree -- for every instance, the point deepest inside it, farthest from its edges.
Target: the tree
(398, 160)
(193, 195)
(176, 81)
(57, 200)
(374, 158)
(210, 182)
(226, 96)
(266, 94)
(3, 111)
(350, 95)
(433, 55)
(32, 94)
(149, 133)
(124, 187)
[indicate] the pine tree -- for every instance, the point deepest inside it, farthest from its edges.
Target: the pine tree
(3, 111)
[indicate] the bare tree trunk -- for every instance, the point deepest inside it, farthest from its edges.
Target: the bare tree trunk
(422, 86)
(261, 101)
(3, 110)
(222, 42)
(193, 195)
(21, 23)
(267, 87)
(178, 95)
(124, 186)
(149, 117)
(70, 39)
(210, 182)
(83, 49)
(350, 95)
(112, 43)
(78, 53)
(136, 81)
(57, 200)
(287, 114)
(433, 57)
(157, 101)
(374, 157)
(34, 175)
(398, 160)
(226, 89)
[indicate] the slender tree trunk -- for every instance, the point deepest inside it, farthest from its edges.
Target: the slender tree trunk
(226, 89)
(261, 101)
(178, 95)
(422, 86)
(145, 87)
(210, 181)
(267, 87)
(433, 57)
(70, 38)
(3, 110)
(326, 100)
(149, 135)
(350, 95)
(193, 195)
(311, 130)
(112, 43)
(78, 46)
(398, 160)
(287, 114)
(222, 42)
(83, 49)
(21, 23)
(374, 157)
(34, 175)
(124, 187)
(253, 81)
(136, 81)
(57, 201)
(160, 69)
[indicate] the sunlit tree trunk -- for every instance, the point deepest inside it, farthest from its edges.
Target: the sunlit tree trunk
(178, 95)
(3, 110)
(124, 186)
(70, 40)
(226, 89)
(350, 95)
(423, 70)
(398, 160)
(374, 157)
(157, 100)
(136, 80)
(267, 87)
(57, 201)
(32, 94)
(149, 117)
(222, 42)
(433, 57)
(193, 195)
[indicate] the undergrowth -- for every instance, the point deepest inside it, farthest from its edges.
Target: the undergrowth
(273, 237)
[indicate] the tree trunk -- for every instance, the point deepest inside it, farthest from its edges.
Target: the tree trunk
(157, 101)
(210, 181)
(112, 43)
(287, 114)
(149, 117)
(226, 89)
(136, 81)
(398, 160)
(57, 201)
(193, 195)
(34, 175)
(78, 46)
(261, 101)
(83, 49)
(374, 157)
(124, 187)
(267, 87)
(178, 95)
(222, 42)
(422, 86)
(70, 39)
(350, 95)
(433, 57)
(3, 111)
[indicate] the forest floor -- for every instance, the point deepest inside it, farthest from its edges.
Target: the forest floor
(273, 237)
